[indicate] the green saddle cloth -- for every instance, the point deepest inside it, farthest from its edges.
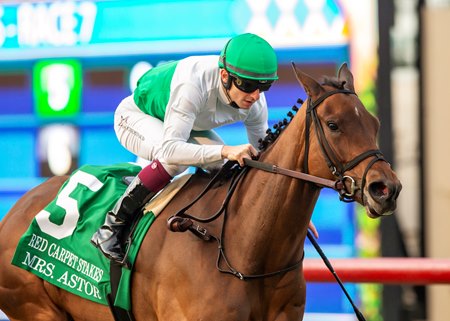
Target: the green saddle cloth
(56, 247)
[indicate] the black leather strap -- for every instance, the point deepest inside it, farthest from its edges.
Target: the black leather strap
(118, 313)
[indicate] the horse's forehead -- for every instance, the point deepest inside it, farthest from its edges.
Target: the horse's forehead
(350, 109)
(348, 106)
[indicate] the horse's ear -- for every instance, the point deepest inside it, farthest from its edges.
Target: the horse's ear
(312, 87)
(345, 74)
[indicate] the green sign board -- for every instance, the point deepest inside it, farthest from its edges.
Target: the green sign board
(57, 88)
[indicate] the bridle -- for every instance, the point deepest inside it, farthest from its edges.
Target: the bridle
(337, 168)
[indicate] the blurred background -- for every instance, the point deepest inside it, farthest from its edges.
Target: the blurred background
(65, 66)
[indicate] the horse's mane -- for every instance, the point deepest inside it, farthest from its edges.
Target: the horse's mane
(272, 135)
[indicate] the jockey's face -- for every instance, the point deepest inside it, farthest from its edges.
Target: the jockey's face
(243, 99)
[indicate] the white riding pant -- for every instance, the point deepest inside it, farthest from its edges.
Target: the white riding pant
(142, 135)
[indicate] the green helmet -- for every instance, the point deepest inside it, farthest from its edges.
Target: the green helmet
(249, 56)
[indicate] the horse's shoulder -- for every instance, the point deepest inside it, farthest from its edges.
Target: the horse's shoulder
(57, 180)
(42, 194)
(48, 188)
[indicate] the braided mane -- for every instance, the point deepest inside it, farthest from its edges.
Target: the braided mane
(272, 135)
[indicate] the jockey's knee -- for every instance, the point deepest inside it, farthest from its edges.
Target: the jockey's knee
(173, 170)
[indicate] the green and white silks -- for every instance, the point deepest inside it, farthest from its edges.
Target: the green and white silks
(56, 247)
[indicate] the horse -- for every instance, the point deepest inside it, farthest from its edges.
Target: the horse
(255, 271)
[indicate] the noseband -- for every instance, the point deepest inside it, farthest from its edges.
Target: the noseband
(337, 168)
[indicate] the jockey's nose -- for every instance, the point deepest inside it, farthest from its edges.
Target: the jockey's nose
(255, 95)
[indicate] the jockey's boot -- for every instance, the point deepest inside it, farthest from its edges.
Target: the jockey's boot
(109, 237)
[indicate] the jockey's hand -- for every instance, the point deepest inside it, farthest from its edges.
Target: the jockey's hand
(238, 153)
(313, 229)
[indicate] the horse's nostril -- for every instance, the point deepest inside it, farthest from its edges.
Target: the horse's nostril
(380, 191)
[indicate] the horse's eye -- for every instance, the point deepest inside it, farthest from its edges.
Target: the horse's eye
(332, 125)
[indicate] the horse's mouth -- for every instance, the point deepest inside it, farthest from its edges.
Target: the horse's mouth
(373, 213)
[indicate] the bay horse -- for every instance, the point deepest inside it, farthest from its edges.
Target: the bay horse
(177, 276)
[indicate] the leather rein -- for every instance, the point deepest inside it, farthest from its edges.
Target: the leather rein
(182, 221)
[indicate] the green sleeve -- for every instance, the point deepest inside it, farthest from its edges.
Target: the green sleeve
(153, 90)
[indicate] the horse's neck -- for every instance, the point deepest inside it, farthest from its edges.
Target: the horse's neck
(289, 194)
(273, 211)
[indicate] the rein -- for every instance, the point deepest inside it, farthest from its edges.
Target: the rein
(327, 262)
(337, 185)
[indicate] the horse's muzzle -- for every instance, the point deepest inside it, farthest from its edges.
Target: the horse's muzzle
(382, 197)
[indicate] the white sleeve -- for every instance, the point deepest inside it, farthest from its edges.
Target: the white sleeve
(184, 105)
(257, 122)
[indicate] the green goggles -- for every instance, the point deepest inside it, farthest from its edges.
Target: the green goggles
(249, 86)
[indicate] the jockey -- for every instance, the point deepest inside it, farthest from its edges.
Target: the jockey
(169, 120)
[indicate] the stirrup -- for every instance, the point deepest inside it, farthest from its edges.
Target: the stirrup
(128, 179)
(125, 262)
(122, 262)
